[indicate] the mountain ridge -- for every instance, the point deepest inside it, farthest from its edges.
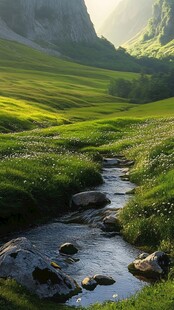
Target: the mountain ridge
(157, 39)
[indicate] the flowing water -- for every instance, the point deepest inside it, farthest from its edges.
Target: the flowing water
(99, 252)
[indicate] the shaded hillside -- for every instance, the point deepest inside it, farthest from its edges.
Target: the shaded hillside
(158, 37)
(128, 19)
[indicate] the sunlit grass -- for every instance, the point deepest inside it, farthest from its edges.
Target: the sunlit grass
(38, 90)
(40, 169)
(156, 297)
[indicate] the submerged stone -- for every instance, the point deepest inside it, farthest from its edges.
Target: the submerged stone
(110, 162)
(111, 224)
(68, 248)
(89, 284)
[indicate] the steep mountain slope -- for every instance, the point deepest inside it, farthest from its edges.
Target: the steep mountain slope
(158, 37)
(128, 18)
(60, 27)
(50, 21)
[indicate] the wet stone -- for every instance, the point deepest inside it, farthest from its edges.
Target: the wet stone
(68, 249)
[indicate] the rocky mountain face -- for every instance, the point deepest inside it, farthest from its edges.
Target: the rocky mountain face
(162, 23)
(46, 23)
(157, 39)
(127, 20)
(60, 28)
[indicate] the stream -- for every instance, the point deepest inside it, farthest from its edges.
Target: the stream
(99, 252)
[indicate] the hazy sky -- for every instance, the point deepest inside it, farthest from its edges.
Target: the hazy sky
(99, 10)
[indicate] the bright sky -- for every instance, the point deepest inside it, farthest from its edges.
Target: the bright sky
(99, 10)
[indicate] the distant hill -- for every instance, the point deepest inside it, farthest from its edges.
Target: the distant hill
(157, 39)
(127, 20)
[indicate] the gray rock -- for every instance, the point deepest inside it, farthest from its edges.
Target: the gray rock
(44, 21)
(89, 283)
(151, 266)
(109, 162)
(68, 249)
(111, 223)
(21, 261)
(103, 280)
(110, 219)
(89, 199)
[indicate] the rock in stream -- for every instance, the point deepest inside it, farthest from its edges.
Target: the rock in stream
(20, 260)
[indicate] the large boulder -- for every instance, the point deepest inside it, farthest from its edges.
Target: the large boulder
(89, 199)
(20, 260)
(68, 249)
(150, 266)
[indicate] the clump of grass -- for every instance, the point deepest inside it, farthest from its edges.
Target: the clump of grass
(41, 185)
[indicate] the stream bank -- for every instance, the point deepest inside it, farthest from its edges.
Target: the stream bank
(99, 252)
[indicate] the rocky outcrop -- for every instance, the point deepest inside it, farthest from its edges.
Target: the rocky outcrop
(150, 266)
(157, 38)
(47, 23)
(162, 22)
(20, 260)
(89, 199)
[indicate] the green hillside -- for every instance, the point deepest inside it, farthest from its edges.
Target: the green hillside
(157, 39)
(37, 89)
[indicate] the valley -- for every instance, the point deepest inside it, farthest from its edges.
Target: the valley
(58, 124)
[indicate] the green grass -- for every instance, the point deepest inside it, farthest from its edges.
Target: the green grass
(151, 48)
(156, 297)
(14, 297)
(41, 168)
(36, 89)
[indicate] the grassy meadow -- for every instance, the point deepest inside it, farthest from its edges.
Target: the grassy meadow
(56, 122)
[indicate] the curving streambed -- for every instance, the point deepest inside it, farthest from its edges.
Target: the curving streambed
(99, 252)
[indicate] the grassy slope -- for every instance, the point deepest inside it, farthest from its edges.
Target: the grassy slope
(36, 89)
(35, 164)
(151, 48)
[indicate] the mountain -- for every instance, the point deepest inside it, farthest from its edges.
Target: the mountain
(157, 39)
(62, 28)
(128, 19)
(46, 23)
